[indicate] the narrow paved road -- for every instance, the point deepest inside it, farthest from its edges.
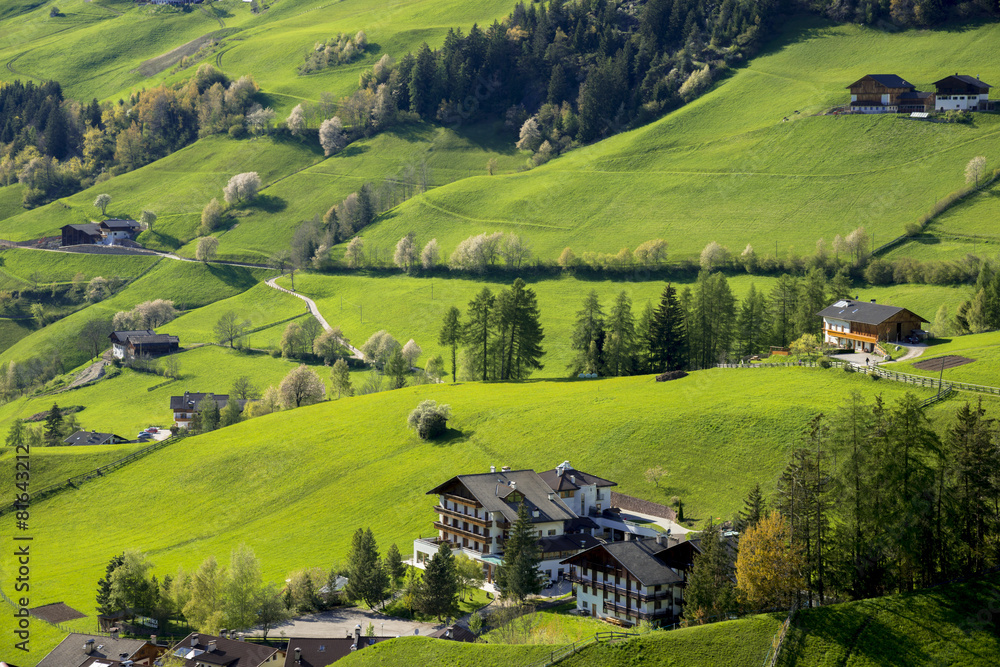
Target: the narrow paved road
(356, 353)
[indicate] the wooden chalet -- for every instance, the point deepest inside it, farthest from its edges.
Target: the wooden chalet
(861, 325)
(86, 234)
(633, 580)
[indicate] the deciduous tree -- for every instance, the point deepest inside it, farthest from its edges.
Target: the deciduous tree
(207, 247)
(332, 136)
(102, 201)
(301, 387)
(230, 327)
(341, 376)
(768, 565)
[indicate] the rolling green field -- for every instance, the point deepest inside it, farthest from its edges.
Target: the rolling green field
(203, 369)
(50, 465)
(983, 348)
(727, 168)
(403, 306)
(330, 468)
(187, 284)
(23, 267)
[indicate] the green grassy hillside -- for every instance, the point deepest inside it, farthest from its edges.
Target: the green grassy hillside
(403, 305)
(50, 465)
(187, 284)
(203, 369)
(314, 475)
(727, 168)
(20, 268)
(984, 349)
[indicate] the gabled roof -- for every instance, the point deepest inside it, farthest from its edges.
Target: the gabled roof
(916, 95)
(564, 478)
(887, 80)
(644, 559)
(567, 542)
(69, 652)
(455, 633)
(967, 80)
(91, 438)
(863, 312)
(117, 224)
(228, 652)
(493, 491)
(142, 337)
(90, 228)
(123, 336)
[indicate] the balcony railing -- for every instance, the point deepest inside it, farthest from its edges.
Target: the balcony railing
(479, 537)
(632, 611)
(465, 517)
(610, 587)
(853, 335)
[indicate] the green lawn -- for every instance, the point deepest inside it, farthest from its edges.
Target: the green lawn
(557, 626)
(983, 348)
(24, 265)
(315, 475)
(403, 306)
(50, 465)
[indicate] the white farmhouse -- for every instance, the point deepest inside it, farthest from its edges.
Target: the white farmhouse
(962, 93)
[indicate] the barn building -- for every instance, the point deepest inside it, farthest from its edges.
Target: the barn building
(888, 93)
(962, 93)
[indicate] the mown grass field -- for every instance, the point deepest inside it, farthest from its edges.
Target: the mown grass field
(983, 348)
(313, 476)
(714, 171)
(403, 306)
(23, 267)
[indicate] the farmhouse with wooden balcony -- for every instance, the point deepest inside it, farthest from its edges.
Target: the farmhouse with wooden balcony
(861, 325)
(962, 92)
(568, 509)
(186, 407)
(888, 93)
(634, 580)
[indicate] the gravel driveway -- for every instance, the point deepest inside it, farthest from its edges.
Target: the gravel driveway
(340, 623)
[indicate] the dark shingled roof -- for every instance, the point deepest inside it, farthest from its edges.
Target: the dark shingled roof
(916, 95)
(322, 652)
(117, 224)
(567, 542)
(645, 559)
(967, 80)
(56, 612)
(90, 228)
(492, 488)
(123, 336)
(863, 312)
(887, 80)
(69, 652)
(142, 337)
(91, 438)
(228, 652)
(565, 483)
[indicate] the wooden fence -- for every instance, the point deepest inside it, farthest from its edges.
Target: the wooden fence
(946, 386)
(76, 480)
(564, 652)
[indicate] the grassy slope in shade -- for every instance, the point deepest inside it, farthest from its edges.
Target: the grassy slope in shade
(402, 305)
(950, 625)
(983, 348)
(313, 476)
(187, 284)
(204, 369)
(50, 465)
(726, 167)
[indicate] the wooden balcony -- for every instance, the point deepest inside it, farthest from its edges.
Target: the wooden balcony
(610, 587)
(478, 537)
(465, 517)
(864, 338)
(655, 614)
(459, 499)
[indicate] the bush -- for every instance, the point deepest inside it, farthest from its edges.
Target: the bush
(670, 375)
(824, 363)
(848, 368)
(429, 419)
(237, 131)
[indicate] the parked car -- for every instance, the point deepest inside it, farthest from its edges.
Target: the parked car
(152, 429)
(144, 436)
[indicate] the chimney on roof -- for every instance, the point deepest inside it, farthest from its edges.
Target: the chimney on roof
(114, 633)
(513, 485)
(298, 655)
(628, 536)
(447, 633)
(194, 640)
(88, 646)
(242, 637)
(659, 539)
(493, 468)
(357, 631)
(873, 300)
(535, 513)
(505, 469)
(211, 646)
(572, 478)
(152, 640)
(552, 496)
(222, 633)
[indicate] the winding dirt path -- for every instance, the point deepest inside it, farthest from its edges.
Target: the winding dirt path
(356, 353)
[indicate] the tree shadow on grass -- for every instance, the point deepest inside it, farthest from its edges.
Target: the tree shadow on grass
(236, 276)
(352, 150)
(452, 436)
(268, 204)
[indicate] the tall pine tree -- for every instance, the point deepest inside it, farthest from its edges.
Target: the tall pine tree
(518, 576)
(667, 338)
